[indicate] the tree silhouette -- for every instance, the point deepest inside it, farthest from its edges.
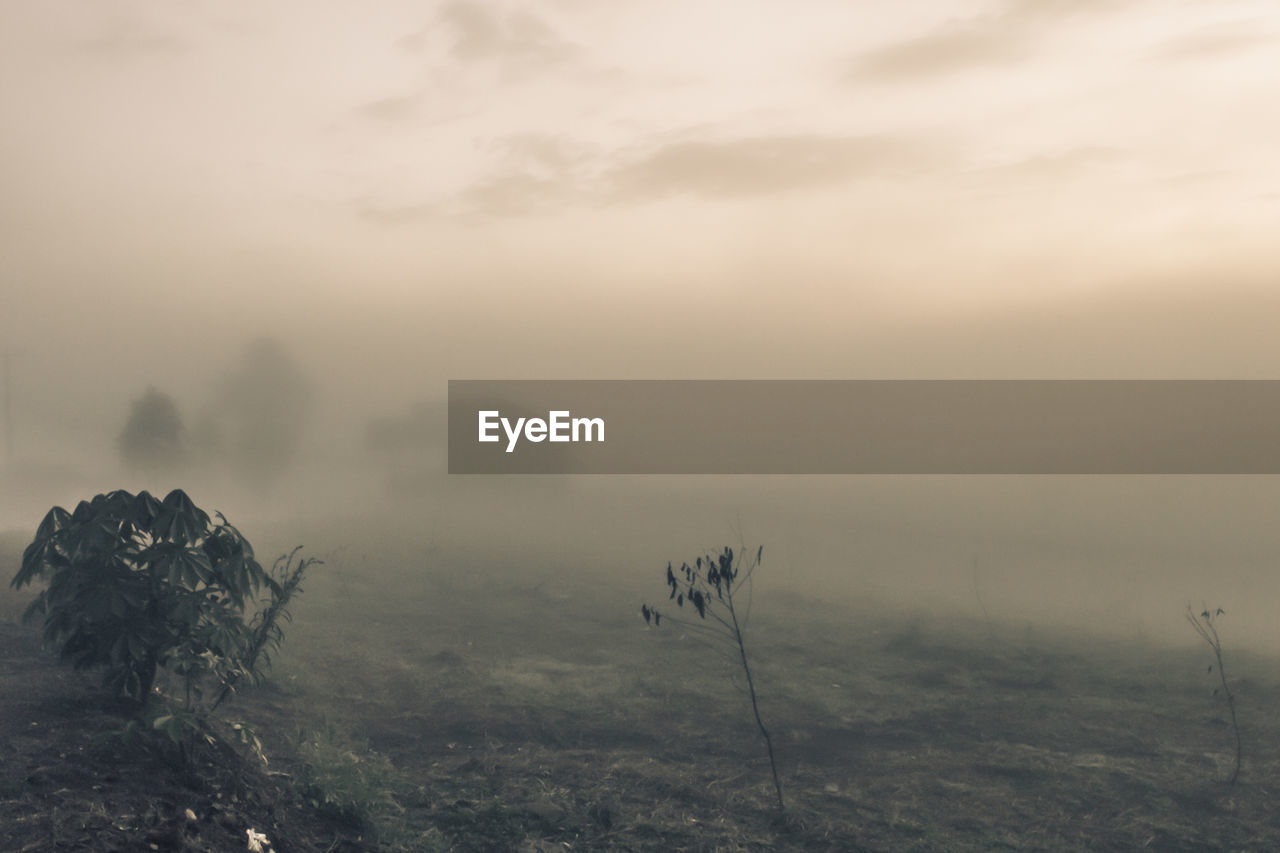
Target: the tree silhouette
(152, 438)
(263, 405)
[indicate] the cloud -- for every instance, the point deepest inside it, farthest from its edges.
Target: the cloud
(542, 152)
(1049, 171)
(393, 108)
(128, 38)
(514, 194)
(1059, 165)
(478, 33)
(538, 173)
(958, 47)
(1214, 43)
(1035, 12)
(759, 165)
(543, 173)
(507, 195)
(390, 214)
(1005, 37)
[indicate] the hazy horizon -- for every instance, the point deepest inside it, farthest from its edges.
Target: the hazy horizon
(560, 189)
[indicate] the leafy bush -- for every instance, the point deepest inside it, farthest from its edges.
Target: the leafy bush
(135, 584)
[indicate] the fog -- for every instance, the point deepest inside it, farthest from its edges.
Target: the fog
(479, 191)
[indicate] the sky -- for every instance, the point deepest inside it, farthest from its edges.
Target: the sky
(817, 165)
(561, 189)
(402, 193)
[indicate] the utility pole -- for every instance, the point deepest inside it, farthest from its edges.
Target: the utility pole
(7, 356)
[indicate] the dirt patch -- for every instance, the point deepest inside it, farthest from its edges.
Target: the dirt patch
(69, 783)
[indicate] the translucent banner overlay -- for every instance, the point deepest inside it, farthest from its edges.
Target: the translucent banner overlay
(864, 427)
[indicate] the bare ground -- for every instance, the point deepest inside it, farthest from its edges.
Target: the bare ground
(535, 711)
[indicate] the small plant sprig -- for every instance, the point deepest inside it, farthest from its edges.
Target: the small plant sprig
(711, 586)
(266, 635)
(343, 777)
(1203, 624)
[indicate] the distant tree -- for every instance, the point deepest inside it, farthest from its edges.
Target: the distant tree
(152, 438)
(205, 442)
(424, 427)
(412, 446)
(263, 404)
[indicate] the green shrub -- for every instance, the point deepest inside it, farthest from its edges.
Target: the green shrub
(135, 584)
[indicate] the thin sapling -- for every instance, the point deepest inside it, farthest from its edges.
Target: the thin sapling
(1209, 633)
(712, 587)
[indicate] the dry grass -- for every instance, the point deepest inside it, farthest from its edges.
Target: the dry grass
(513, 716)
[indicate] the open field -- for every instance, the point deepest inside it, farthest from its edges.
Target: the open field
(472, 697)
